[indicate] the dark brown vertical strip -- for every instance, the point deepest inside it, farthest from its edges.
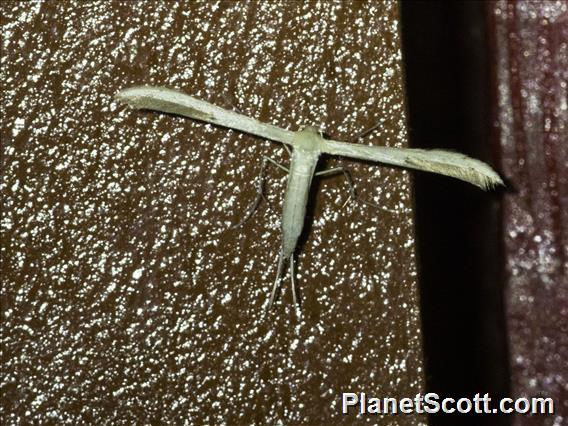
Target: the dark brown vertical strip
(530, 47)
(457, 225)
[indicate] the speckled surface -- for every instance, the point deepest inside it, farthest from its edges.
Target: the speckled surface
(125, 295)
(531, 47)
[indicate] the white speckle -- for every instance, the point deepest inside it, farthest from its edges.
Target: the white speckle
(137, 273)
(113, 187)
(18, 126)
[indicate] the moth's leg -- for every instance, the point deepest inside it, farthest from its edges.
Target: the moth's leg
(351, 186)
(230, 103)
(259, 189)
(365, 132)
(276, 163)
(277, 280)
(349, 180)
(287, 149)
(333, 171)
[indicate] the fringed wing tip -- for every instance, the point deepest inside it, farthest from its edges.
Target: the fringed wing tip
(491, 181)
(480, 174)
(470, 170)
(486, 183)
(456, 165)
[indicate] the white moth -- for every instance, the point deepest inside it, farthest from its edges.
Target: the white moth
(307, 145)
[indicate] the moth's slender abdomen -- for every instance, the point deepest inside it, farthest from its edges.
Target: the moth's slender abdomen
(302, 168)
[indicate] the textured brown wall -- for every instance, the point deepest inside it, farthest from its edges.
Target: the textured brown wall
(530, 42)
(125, 295)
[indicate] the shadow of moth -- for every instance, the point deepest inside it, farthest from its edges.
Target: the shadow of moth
(307, 145)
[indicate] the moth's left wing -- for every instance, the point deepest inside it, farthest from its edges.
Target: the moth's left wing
(439, 161)
(174, 102)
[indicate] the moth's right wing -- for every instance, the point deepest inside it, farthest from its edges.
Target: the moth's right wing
(446, 163)
(174, 102)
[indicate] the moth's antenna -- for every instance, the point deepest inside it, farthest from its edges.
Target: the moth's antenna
(277, 280)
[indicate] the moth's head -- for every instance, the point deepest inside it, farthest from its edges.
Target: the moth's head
(313, 130)
(309, 138)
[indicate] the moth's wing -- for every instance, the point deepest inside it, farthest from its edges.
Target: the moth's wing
(439, 161)
(174, 102)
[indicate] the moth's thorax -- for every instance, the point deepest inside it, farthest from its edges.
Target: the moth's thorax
(309, 139)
